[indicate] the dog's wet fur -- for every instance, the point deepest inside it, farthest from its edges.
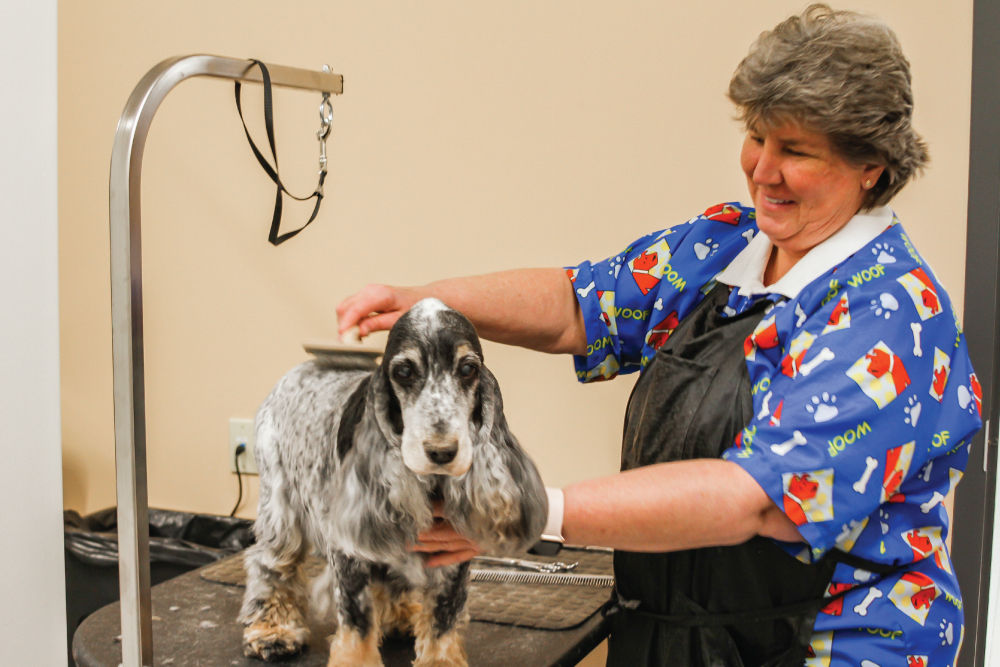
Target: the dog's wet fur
(350, 463)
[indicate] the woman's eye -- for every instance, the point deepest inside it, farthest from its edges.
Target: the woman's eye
(467, 370)
(402, 372)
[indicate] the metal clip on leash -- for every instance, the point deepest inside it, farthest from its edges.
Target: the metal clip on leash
(325, 123)
(326, 119)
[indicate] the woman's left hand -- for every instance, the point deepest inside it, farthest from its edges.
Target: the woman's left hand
(442, 545)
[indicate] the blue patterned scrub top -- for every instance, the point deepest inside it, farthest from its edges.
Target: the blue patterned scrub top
(865, 404)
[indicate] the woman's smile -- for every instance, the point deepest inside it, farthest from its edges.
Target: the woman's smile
(804, 192)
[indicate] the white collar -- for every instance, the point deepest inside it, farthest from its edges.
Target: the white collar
(746, 271)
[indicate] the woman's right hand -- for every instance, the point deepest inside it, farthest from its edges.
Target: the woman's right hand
(375, 308)
(533, 308)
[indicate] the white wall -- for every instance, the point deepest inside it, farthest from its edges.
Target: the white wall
(33, 614)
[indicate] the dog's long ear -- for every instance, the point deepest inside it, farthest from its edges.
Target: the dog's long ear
(388, 414)
(509, 484)
(354, 410)
(489, 403)
(394, 413)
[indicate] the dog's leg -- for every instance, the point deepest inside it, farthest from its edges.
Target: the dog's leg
(274, 604)
(356, 642)
(397, 606)
(437, 627)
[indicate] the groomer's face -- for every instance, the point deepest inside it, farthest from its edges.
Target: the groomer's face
(802, 189)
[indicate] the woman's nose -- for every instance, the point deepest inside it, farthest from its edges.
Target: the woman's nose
(767, 170)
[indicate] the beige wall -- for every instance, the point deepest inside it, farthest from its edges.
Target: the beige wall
(472, 136)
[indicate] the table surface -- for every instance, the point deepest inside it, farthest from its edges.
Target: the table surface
(194, 623)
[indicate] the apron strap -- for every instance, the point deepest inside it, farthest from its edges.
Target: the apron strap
(714, 619)
(838, 556)
(618, 605)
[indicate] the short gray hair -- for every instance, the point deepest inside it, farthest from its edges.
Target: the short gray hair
(844, 75)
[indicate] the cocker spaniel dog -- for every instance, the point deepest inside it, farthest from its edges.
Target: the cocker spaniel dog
(350, 465)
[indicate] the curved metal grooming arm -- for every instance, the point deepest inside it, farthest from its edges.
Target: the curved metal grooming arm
(126, 318)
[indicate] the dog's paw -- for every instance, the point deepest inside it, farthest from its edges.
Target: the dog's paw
(349, 649)
(442, 661)
(273, 642)
(444, 651)
(352, 661)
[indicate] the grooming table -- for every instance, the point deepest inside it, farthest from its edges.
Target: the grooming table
(194, 622)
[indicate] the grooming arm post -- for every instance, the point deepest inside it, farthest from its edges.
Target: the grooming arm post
(126, 318)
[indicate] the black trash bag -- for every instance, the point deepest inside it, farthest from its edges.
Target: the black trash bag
(178, 542)
(178, 538)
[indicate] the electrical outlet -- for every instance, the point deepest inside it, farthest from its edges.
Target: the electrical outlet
(241, 433)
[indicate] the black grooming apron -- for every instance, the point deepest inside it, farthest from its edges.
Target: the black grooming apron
(745, 605)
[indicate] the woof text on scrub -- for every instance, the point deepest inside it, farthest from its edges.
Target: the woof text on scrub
(841, 441)
(940, 439)
(763, 385)
(631, 314)
(864, 276)
(599, 344)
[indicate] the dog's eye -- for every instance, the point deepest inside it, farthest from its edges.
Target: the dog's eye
(467, 370)
(402, 372)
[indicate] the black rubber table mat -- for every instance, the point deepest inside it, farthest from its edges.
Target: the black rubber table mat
(545, 606)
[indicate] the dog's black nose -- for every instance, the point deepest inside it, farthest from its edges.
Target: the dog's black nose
(442, 456)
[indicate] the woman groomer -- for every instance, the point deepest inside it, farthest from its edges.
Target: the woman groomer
(806, 398)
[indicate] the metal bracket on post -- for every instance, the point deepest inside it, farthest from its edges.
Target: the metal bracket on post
(126, 318)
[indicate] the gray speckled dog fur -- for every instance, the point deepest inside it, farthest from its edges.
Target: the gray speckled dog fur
(350, 462)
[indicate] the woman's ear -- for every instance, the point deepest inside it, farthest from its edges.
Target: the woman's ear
(870, 175)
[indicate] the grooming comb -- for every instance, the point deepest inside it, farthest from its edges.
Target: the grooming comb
(534, 565)
(520, 577)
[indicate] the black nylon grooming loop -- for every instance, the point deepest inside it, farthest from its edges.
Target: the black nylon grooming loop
(326, 117)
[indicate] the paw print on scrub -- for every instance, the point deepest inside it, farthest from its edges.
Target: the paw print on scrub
(863, 576)
(615, 265)
(970, 397)
(884, 253)
(883, 522)
(885, 306)
(912, 411)
(823, 407)
(704, 250)
(947, 633)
